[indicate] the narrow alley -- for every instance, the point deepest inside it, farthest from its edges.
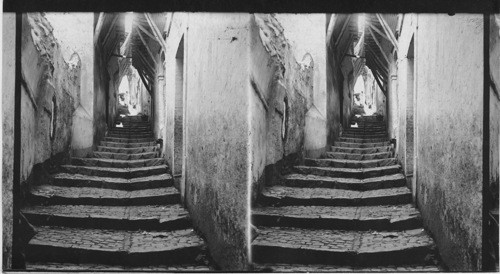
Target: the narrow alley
(264, 142)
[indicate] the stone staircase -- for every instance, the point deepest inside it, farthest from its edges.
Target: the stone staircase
(117, 210)
(348, 211)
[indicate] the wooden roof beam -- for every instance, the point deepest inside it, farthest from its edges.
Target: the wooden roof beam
(146, 32)
(382, 64)
(111, 27)
(388, 31)
(156, 31)
(98, 27)
(146, 46)
(346, 23)
(379, 45)
(329, 31)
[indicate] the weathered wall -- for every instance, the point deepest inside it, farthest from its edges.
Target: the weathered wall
(8, 89)
(449, 116)
(216, 129)
(334, 88)
(75, 33)
(494, 106)
(101, 87)
(48, 77)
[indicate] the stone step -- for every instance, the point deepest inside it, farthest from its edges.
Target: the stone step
(361, 145)
(100, 162)
(344, 163)
(50, 194)
(149, 217)
(127, 145)
(283, 196)
(116, 163)
(364, 130)
(368, 126)
(313, 181)
(128, 140)
(355, 248)
(364, 136)
(366, 150)
(115, 172)
(79, 180)
(132, 150)
(130, 135)
(134, 124)
(362, 140)
(126, 156)
(358, 156)
(53, 266)
(399, 217)
(75, 245)
(132, 127)
(359, 173)
(319, 268)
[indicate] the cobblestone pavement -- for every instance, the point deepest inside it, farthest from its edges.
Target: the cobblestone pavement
(116, 211)
(349, 212)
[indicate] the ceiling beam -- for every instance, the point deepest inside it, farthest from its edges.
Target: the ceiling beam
(376, 76)
(387, 30)
(98, 27)
(346, 23)
(144, 82)
(375, 56)
(146, 32)
(146, 46)
(111, 26)
(146, 63)
(331, 26)
(379, 45)
(377, 66)
(156, 31)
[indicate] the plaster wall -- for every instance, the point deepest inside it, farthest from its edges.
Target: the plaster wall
(7, 138)
(75, 34)
(495, 106)
(449, 117)
(101, 87)
(216, 133)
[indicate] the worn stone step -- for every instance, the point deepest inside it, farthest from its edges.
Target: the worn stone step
(127, 145)
(366, 150)
(360, 173)
(312, 181)
(364, 130)
(127, 173)
(100, 162)
(149, 217)
(364, 135)
(53, 266)
(132, 150)
(362, 140)
(146, 128)
(126, 156)
(355, 248)
(283, 196)
(318, 268)
(130, 135)
(358, 156)
(368, 127)
(345, 163)
(360, 145)
(128, 140)
(398, 217)
(50, 194)
(75, 245)
(79, 180)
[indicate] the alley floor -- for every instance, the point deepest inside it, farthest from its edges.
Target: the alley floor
(348, 211)
(117, 210)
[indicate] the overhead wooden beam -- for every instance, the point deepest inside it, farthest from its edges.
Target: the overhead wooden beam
(346, 23)
(156, 31)
(111, 27)
(377, 80)
(387, 30)
(146, 64)
(377, 67)
(98, 27)
(382, 64)
(146, 32)
(146, 46)
(331, 26)
(144, 82)
(379, 45)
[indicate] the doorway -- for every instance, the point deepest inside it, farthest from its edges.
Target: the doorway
(410, 119)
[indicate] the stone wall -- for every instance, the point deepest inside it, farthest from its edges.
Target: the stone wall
(216, 133)
(449, 134)
(494, 104)
(8, 91)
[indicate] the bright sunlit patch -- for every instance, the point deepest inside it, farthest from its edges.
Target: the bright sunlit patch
(361, 22)
(120, 125)
(129, 18)
(122, 115)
